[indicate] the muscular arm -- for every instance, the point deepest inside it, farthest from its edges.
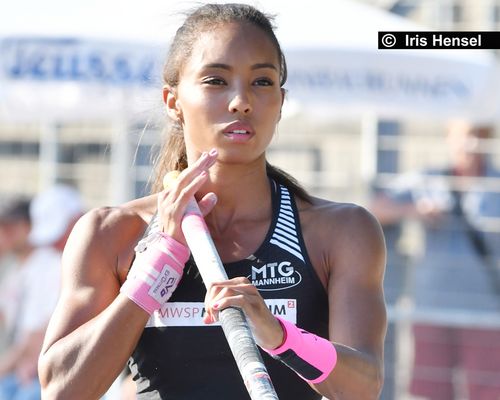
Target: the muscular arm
(93, 330)
(357, 312)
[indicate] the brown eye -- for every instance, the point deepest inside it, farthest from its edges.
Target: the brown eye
(214, 81)
(264, 82)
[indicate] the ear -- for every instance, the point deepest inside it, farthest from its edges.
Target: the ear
(283, 94)
(174, 109)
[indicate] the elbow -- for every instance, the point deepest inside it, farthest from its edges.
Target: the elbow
(375, 384)
(45, 378)
(371, 390)
(368, 386)
(62, 380)
(378, 383)
(50, 388)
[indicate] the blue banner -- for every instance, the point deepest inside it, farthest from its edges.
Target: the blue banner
(46, 59)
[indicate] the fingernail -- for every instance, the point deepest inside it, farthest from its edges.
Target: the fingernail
(213, 152)
(204, 155)
(216, 305)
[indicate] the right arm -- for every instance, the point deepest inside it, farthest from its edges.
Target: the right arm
(94, 329)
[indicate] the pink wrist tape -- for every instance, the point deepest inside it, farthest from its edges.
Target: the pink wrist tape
(156, 272)
(310, 356)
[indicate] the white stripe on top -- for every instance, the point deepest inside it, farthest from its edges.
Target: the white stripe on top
(285, 233)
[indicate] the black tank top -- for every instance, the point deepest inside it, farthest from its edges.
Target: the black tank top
(179, 357)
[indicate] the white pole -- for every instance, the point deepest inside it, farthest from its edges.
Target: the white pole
(369, 144)
(47, 161)
(120, 187)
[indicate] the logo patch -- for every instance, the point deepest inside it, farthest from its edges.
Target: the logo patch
(191, 313)
(165, 284)
(275, 276)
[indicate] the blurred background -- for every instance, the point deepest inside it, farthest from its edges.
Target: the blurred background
(80, 105)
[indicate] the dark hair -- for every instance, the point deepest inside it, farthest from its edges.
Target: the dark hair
(15, 209)
(172, 154)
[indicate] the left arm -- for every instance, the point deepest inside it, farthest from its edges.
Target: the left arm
(357, 321)
(355, 265)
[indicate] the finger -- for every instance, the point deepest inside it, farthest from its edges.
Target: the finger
(240, 284)
(231, 287)
(203, 163)
(172, 207)
(237, 285)
(213, 295)
(181, 186)
(237, 300)
(240, 296)
(207, 203)
(187, 192)
(177, 198)
(176, 179)
(212, 312)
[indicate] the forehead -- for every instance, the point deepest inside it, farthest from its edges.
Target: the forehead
(233, 43)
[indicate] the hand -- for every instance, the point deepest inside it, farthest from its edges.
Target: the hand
(239, 292)
(172, 201)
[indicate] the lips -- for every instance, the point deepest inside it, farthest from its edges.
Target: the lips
(238, 128)
(239, 132)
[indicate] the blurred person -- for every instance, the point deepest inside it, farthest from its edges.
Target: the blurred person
(458, 268)
(34, 288)
(15, 226)
(323, 260)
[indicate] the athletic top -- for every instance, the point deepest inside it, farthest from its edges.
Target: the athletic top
(180, 357)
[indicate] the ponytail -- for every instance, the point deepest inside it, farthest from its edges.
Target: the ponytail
(172, 156)
(285, 179)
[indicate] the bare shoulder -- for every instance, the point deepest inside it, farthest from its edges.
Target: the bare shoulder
(344, 220)
(96, 260)
(106, 236)
(107, 220)
(341, 235)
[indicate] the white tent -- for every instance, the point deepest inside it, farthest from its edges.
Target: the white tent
(85, 58)
(335, 65)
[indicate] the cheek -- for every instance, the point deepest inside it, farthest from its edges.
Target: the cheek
(198, 107)
(273, 108)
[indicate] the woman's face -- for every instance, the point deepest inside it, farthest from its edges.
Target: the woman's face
(229, 96)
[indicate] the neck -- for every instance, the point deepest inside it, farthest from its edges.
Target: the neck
(243, 193)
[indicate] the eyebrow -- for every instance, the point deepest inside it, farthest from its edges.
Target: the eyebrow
(254, 67)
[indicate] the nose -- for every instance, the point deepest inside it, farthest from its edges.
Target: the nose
(240, 102)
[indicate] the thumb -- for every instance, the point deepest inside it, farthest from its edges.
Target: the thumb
(207, 203)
